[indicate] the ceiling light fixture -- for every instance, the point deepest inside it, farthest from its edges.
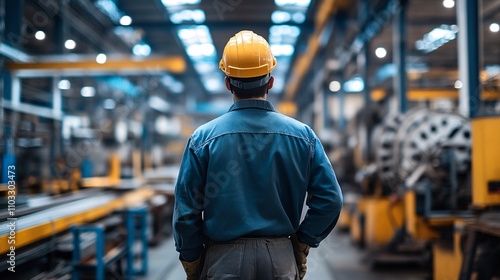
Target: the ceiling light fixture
(282, 49)
(40, 35)
(380, 52)
(449, 4)
(125, 20)
(437, 38)
(173, 3)
(64, 85)
(299, 17)
(141, 49)
(70, 44)
(101, 58)
(354, 85)
(334, 86)
(494, 27)
(300, 3)
(87, 91)
(279, 17)
(196, 16)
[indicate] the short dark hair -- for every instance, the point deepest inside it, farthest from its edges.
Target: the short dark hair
(249, 93)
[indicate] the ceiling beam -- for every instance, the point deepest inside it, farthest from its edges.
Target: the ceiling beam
(301, 66)
(59, 66)
(215, 24)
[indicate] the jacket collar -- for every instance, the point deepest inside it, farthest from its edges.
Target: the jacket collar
(252, 103)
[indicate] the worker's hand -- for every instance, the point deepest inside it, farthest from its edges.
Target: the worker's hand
(300, 250)
(192, 269)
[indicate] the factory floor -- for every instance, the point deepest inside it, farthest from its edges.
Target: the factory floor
(335, 259)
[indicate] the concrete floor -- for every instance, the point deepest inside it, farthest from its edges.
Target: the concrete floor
(335, 259)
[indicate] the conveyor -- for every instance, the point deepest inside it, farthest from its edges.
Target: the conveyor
(37, 225)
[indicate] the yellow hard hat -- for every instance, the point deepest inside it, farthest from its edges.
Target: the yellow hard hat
(247, 55)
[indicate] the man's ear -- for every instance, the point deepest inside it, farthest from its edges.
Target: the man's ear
(228, 85)
(270, 84)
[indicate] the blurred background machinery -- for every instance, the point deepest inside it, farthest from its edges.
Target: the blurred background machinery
(98, 98)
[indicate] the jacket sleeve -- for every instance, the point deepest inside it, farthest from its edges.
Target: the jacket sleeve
(325, 200)
(189, 205)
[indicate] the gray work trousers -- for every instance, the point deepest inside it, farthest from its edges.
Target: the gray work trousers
(250, 259)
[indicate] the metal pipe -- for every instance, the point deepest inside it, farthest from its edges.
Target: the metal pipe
(32, 110)
(399, 57)
(14, 54)
(363, 56)
(468, 57)
(59, 212)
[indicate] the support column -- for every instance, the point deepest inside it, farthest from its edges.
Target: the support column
(341, 27)
(399, 57)
(341, 96)
(468, 57)
(12, 34)
(326, 107)
(363, 57)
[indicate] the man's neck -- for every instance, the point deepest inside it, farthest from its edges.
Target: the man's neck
(236, 99)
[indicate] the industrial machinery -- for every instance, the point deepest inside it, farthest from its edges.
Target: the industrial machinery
(430, 192)
(427, 152)
(416, 186)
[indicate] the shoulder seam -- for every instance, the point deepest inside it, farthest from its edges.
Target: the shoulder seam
(195, 148)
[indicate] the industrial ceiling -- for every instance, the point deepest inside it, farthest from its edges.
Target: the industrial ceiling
(197, 31)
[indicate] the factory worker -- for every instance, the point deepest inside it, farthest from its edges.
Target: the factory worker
(244, 178)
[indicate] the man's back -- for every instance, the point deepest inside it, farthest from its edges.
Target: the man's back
(258, 165)
(248, 172)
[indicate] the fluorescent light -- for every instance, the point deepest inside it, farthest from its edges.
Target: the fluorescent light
(354, 85)
(299, 17)
(87, 91)
(282, 50)
(186, 33)
(70, 44)
(458, 84)
(199, 47)
(205, 67)
(173, 3)
(197, 16)
(40, 35)
(334, 86)
(436, 38)
(380, 52)
(101, 58)
(300, 3)
(280, 17)
(64, 85)
(125, 20)
(109, 8)
(197, 50)
(449, 4)
(109, 104)
(285, 30)
(494, 27)
(196, 34)
(141, 50)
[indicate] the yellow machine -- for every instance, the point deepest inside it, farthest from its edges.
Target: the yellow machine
(486, 162)
(448, 260)
(416, 190)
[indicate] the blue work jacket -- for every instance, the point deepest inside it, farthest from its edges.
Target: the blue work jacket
(247, 173)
